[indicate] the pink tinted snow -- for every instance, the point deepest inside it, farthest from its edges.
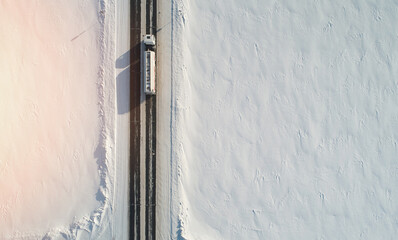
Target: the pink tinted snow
(49, 114)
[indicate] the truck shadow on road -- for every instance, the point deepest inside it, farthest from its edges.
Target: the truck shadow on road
(128, 87)
(123, 91)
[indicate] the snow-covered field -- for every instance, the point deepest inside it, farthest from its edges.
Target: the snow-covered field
(57, 113)
(276, 119)
(284, 119)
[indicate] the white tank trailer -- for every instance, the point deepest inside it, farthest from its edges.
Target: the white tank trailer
(149, 65)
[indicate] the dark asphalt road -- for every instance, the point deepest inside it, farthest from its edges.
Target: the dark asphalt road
(135, 126)
(135, 129)
(150, 158)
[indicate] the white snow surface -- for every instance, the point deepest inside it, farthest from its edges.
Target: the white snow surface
(57, 110)
(284, 119)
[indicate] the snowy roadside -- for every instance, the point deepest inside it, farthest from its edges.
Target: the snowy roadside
(121, 184)
(164, 188)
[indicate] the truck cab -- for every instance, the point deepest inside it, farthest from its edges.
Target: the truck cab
(149, 40)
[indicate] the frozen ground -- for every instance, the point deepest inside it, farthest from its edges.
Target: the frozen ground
(284, 119)
(57, 109)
